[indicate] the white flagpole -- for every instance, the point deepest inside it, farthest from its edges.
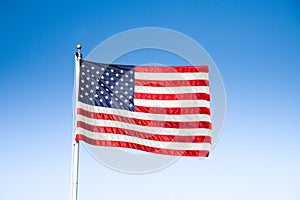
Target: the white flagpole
(75, 144)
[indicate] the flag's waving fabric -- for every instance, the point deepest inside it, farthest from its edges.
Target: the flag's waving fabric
(157, 109)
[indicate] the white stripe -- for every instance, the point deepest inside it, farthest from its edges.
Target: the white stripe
(172, 90)
(145, 116)
(171, 76)
(171, 103)
(140, 141)
(146, 129)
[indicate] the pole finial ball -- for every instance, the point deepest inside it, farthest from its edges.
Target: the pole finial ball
(78, 46)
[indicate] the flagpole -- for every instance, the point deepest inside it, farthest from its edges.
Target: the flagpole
(75, 143)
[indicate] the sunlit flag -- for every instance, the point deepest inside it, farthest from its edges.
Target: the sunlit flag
(157, 109)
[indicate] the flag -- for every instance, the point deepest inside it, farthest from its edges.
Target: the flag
(157, 109)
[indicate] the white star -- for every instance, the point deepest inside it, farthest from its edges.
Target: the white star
(110, 102)
(131, 80)
(102, 77)
(126, 84)
(93, 67)
(97, 87)
(121, 71)
(91, 99)
(121, 103)
(97, 72)
(101, 100)
(102, 68)
(91, 91)
(116, 99)
(122, 79)
(86, 94)
(106, 97)
(87, 70)
(116, 91)
(107, 82)
(101, 92)
(117, 75)
(112, 87)
(87, 86)
(126, 92)
(130, 88)
(117, 83)
(121, 96)
(81, 96)
(130, 105)
(107, 74)
(83, 73)
(130, 97)
(106, 89)
(111, 94)
(121, 88)
(131, 72)
(82, 81)
(112, 78)
(87, 78)
(82, 88)
(96, 95)
(92, 82)
(126, 75)
(126, 100)
(112, 70)
(82, 65)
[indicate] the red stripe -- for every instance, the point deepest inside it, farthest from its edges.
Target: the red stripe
(143, 122)
(148, 136)
(185, 96)
(173, 111)
(171, 69)
(170, 83)
(198, 153)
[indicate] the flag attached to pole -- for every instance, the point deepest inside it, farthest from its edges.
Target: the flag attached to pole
(157, 109)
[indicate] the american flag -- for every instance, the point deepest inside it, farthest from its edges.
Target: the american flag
(157, 109)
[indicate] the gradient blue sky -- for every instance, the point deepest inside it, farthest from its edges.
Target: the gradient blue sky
(256, 46)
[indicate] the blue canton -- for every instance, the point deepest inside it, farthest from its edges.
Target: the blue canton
(105, 85)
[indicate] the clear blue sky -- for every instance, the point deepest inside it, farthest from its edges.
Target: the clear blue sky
(256, 46)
